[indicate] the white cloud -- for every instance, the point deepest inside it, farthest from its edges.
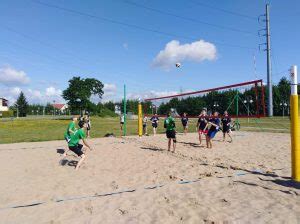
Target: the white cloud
(33, 96)
(197, 51)
(125, 46)
(110, 91)
(15, 91)
(10, 93)
(52, 91)
(150, 94)
(42, 97)
(12, 77)
(109, 88)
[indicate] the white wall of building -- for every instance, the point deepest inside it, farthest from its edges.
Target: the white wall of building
(3, 108)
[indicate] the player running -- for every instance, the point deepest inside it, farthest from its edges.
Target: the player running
(170, 126)
(70, 129)
(214, 123)
(226, 122)
(185, 121)
(154, 119)
(201, 124)
(74, 145)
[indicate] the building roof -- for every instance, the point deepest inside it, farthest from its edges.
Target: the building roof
(58, 105)
(3, 99)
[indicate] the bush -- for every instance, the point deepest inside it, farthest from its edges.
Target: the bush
(104, 112)
(9, 113)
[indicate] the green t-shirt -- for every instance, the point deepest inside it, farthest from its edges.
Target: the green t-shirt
(72, 127)
(75, 138)
(170, 124)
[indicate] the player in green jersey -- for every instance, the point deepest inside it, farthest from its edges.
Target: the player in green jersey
(169, 125)
(70, 129)
(74, 144)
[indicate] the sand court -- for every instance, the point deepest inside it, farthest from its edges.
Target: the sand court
(133, 180)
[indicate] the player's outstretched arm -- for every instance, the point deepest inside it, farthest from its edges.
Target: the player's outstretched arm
(86, 144)
(206, 126)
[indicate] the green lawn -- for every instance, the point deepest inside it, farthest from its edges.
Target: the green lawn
(44, 129)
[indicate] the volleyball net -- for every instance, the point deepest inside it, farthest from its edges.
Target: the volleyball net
(246, 99)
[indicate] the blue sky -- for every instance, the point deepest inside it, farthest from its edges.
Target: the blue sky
(42, 47)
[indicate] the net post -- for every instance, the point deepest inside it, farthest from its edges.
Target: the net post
(263, 98)
(295, 133)
(256, 99)
(140, 119)
(125, 112)
(237, 108)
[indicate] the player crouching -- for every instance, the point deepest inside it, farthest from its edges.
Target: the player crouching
(74, 145)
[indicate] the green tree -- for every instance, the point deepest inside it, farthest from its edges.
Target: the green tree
(22, 105)
(109, 105)
(281, 95)
(79, 92)
(35, 109)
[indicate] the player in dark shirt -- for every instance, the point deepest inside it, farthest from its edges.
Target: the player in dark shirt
(226, 122)
(154, 120)
(201, 124)
(214, 128)
(185, 122)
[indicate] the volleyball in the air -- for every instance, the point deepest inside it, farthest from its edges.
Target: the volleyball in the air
(177, 65)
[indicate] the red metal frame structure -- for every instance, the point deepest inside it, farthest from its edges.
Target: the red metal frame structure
(256, 83)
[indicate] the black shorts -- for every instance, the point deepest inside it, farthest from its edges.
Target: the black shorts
(226, 129)
(154, 125)
(171, 134)
(184, 124)
(88, 127)
(144, 125)
(77, 149)
(121, 122)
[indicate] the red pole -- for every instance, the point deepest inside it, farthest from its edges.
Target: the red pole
(256, 98)
(263, 98)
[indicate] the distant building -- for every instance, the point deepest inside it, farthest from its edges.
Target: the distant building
(60, 107)
(3, 105)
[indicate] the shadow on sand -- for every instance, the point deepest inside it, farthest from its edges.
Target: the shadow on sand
(65, 162)
(280, 182)
(60, 151)
(152, 148)
(285, 183)
(193, 144)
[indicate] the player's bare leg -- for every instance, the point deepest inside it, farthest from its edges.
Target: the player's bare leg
(80, 161)
(174, 144)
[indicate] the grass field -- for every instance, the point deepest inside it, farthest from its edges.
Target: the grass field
(34, 129)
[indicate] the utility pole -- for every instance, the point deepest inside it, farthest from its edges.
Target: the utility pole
(269, 69)
(266, 29)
